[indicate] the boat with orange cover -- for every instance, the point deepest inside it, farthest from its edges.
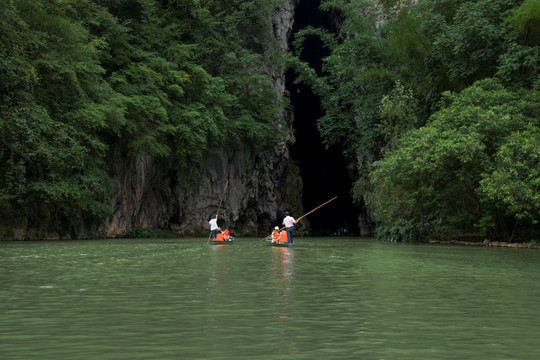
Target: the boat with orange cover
(282, 240)
(220, 240)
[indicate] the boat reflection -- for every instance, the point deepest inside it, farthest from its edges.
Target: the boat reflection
(283, 262)
(283, 271)
(219, 264)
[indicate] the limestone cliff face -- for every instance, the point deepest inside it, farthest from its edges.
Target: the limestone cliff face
(154, 192)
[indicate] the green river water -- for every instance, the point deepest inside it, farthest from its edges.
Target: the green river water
(326, 298)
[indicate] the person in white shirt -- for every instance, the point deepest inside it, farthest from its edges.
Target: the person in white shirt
(289, 223)
(214, 227)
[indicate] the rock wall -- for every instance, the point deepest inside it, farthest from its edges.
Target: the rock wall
(155, 193)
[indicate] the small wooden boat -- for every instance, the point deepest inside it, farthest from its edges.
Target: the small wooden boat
(220, 241)
(285, 244)
(282, 240)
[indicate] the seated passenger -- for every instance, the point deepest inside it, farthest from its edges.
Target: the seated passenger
(275, 235)
(283, 238)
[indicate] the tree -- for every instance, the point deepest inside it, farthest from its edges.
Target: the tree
(442, 172)
(53, 108)
(398, 115)
(519, 66)
(390, 64)
(165, 78)
(515, 180)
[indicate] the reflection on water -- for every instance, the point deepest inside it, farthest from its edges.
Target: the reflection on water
(283, 273)
(218, 264)
(326, 298)
(283, 263)
(282, 270)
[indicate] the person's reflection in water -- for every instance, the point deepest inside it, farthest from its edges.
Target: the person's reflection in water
(283, 268)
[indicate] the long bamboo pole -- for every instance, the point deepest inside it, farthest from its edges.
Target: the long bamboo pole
(222, 196)
(219, 207)
(297, 220)
(318, 207)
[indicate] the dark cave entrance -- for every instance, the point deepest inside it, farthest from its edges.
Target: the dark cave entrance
(324, 171)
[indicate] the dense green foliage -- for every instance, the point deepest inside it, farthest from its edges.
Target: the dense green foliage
(437, 102)
(474, 164)
(166, 78)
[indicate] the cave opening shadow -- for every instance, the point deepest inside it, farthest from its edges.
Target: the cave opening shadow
(324, 171)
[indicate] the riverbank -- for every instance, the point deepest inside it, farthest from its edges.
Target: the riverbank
(529, 245)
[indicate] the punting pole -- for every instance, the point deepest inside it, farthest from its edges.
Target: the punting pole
(297, 220)
(318, 207)
(219, 207)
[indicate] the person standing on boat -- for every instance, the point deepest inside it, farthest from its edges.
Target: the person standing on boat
(214, 227)
(289, 223)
